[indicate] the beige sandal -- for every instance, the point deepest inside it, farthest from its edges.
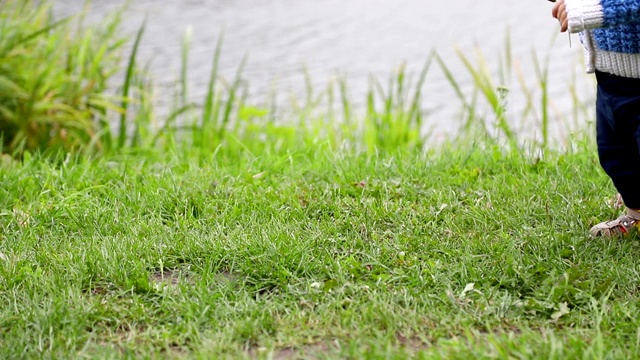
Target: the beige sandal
(620, 226)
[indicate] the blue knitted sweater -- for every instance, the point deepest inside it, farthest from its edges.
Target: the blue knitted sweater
(610, 32)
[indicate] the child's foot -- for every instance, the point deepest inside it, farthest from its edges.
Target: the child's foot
(620, 226)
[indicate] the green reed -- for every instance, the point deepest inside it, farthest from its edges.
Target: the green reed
(43, 108)
(53, 78)
(394, 116)
(126, 88)
(493, 89)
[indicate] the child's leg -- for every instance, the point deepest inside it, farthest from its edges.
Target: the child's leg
(618, 134)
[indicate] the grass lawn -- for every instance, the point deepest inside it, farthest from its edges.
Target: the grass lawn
(464, 253)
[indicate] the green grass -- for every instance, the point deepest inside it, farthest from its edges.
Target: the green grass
(470, 252)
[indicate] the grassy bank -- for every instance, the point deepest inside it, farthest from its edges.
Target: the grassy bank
(464, 254)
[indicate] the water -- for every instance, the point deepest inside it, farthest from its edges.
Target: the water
(354, 38)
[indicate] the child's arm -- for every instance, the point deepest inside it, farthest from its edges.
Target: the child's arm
(582, 15)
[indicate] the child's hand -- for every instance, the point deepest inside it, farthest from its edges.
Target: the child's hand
(560, 12)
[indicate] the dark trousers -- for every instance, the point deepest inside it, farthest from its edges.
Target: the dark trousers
(618, 133)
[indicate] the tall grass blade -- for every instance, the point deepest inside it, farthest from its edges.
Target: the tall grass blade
(127, 84)
(344, 97)
(210, 110)
(529, 107)
(542, 74)
(415, 114)
(226, 117)
(33, 36)
(495, 96)
(452, 81)
(184, 68)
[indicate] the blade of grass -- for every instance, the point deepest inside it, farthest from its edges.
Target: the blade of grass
(127, 84)
(210, 111)
(542, 75)
(226, 118)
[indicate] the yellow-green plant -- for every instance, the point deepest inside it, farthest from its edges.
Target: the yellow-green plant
(53, 78)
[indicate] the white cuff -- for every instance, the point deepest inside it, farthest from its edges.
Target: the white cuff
(584, 14)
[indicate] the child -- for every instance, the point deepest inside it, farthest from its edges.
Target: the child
(610, 33)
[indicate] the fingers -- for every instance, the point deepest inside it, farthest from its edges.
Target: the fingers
(564, 25)
(555, 10)
(563, 18)
(559, 12)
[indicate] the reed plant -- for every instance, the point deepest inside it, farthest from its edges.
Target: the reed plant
(487, 103)
(55, 94)
(53, 78)
(395, 115)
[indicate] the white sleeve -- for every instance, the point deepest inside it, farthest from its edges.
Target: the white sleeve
(584, 15)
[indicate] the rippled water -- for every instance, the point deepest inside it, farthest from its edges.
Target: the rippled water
(356, 38)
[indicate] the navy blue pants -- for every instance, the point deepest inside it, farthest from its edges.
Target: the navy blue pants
(618, 133)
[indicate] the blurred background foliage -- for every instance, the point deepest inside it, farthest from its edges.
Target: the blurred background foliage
(66, 86)
(53, 77)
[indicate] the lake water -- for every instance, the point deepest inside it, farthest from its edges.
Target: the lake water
(354, 38)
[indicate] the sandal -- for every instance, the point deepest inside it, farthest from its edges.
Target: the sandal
(620, 226)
